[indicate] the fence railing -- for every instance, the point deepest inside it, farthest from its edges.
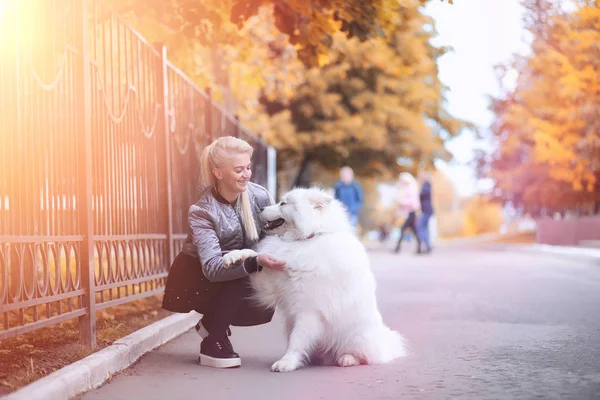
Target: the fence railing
(99, 142)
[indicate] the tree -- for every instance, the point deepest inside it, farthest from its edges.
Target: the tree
(371, 103)
(392, 106)
(548, 128)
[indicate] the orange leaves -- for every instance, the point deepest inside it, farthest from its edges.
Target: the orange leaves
(545, 133)
(369, 103)
(590, 16)
(351, 79)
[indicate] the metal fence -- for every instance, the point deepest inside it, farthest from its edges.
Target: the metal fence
(99, 142)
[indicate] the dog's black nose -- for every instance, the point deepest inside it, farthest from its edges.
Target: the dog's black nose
(261, 209)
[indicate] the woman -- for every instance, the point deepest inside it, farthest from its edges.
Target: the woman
(225, 218)
(409, 205)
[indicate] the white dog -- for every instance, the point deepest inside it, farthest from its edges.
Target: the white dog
(327, 295)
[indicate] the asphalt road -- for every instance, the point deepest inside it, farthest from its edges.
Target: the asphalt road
(481, 324)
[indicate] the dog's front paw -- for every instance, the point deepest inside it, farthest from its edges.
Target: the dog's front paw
(285, 365)
(347, 360)
(237, 255)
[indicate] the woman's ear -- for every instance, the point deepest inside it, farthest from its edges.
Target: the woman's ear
(217, 173)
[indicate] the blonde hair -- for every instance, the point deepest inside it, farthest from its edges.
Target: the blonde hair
(408, 178)
(214, 156)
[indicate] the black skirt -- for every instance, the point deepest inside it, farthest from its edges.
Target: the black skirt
(187, 289)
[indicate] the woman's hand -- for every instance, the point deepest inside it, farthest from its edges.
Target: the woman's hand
(267, 261)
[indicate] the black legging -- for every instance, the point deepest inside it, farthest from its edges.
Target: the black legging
(231, 299)
(411, 222)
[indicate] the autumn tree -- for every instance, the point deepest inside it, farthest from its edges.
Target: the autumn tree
(547, 129)
(371, 103)
(392, 107)
(310, 24)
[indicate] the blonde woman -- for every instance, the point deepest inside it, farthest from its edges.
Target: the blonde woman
(225, 218)
(409, 204)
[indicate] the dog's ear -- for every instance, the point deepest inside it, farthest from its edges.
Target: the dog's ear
(319, 199)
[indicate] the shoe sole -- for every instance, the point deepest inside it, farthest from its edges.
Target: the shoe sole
(213, 362)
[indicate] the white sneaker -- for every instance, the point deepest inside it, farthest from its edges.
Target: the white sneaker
(218, 354)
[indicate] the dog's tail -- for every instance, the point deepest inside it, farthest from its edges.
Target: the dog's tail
(384, 345)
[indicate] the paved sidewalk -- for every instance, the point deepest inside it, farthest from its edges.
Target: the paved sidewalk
(481, 325)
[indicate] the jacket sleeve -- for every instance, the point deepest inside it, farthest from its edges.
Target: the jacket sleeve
(359, 192)
(208, 248)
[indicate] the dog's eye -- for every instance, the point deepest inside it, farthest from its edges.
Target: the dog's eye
(282, 203)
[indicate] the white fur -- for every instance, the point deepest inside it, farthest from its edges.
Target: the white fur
(327, 295)
(237, 255)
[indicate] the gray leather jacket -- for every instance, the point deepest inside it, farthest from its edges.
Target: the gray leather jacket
(215, 228)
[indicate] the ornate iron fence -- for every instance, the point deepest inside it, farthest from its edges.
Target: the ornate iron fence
(99, 142)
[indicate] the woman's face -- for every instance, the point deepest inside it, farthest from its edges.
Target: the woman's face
(234, 175)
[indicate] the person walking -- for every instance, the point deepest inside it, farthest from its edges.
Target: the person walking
(349, 192)
(426, 212)
(408, 201)
(225, 218)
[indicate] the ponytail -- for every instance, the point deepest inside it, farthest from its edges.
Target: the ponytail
(206, 178)
(247, 216)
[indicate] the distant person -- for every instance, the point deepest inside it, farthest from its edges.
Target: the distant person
(408, 200)
(349, 192)
(426, 213)
(384, 232)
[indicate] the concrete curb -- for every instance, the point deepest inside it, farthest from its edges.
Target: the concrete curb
(97, 368)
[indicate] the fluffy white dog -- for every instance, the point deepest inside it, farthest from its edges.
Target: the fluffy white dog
(327, 295)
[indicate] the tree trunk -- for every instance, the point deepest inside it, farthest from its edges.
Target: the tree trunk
(301, 179)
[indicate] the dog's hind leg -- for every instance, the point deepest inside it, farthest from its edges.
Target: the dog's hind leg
(347, 360)
(304, 334)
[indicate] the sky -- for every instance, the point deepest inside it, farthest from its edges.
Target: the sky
(482, 33)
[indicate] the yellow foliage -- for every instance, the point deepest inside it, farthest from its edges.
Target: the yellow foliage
(364, 101)
(547, 127)
(469, 227)
(450, 224)
(482, 216)
(373, 102)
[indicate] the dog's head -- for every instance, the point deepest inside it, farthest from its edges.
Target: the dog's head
(305, 212)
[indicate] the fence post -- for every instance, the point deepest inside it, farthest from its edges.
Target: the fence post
(87, 323)
(208, 117)
(163, 99)
(272, 171)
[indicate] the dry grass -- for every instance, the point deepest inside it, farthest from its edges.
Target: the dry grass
(33, 355)
(516, 238)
